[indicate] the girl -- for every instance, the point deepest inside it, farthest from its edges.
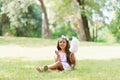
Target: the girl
(65, 60)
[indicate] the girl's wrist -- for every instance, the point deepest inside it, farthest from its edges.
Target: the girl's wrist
(57, 53)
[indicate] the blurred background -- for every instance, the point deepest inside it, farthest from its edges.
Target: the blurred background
(29, 30)
(89, 20)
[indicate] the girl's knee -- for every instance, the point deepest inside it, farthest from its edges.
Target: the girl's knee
(58, 62)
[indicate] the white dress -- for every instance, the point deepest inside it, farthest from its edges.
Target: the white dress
(64, 62)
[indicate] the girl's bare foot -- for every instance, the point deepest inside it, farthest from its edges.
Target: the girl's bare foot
(41, 69)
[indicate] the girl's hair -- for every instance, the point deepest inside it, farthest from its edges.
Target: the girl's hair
(66, 50)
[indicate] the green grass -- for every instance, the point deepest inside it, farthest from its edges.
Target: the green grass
(26, 42)
(19, 69)
(38, 42)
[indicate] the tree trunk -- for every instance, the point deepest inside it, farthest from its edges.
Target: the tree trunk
(84, 20)
(45, 24)
(81, 32)
(20, 32)
(86, 28)
(4, 22)
(79, 29)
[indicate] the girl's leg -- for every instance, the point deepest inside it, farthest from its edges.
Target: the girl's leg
(41, 69)
(55, 66)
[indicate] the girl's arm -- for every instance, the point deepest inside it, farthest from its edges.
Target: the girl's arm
(58, 56)
(73, 60)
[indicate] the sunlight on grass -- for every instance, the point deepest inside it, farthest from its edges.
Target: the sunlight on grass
(38, 42)
(25, 69)
(27, 42)
(19, 69)
(68, 79)
(4, 75)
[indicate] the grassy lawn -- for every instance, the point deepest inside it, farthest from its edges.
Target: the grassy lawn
(21, 69)
(38, 42)
(27, 42)
(18, 69)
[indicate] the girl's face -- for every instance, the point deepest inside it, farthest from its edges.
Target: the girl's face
(62, 43)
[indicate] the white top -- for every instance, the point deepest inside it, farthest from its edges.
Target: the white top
(63, 60)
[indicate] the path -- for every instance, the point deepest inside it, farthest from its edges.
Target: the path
(47, 53)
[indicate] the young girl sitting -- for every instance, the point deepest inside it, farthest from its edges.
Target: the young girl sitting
(65, 60)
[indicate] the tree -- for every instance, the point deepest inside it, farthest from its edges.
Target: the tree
(14, 10)
(115, 25)
(78, 27)
(4, 22)
(82, 9)
(84, 20)
(45, 24)
(24, 17)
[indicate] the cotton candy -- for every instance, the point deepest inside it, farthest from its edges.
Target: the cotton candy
(74, 45)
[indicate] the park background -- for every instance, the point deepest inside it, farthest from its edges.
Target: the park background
(29, 30)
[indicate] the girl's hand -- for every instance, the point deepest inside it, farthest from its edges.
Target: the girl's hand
(56, 52)
(58, 56)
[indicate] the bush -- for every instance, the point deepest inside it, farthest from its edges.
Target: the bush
(64, 30)
(104, 35)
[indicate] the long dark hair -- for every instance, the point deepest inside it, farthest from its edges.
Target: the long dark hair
(67, 51)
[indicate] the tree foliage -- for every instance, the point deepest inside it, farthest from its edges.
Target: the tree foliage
(24, 17)
(65, 29)
(115, 25)
(15, 10)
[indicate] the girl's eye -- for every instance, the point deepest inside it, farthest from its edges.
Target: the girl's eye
(60, 42)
